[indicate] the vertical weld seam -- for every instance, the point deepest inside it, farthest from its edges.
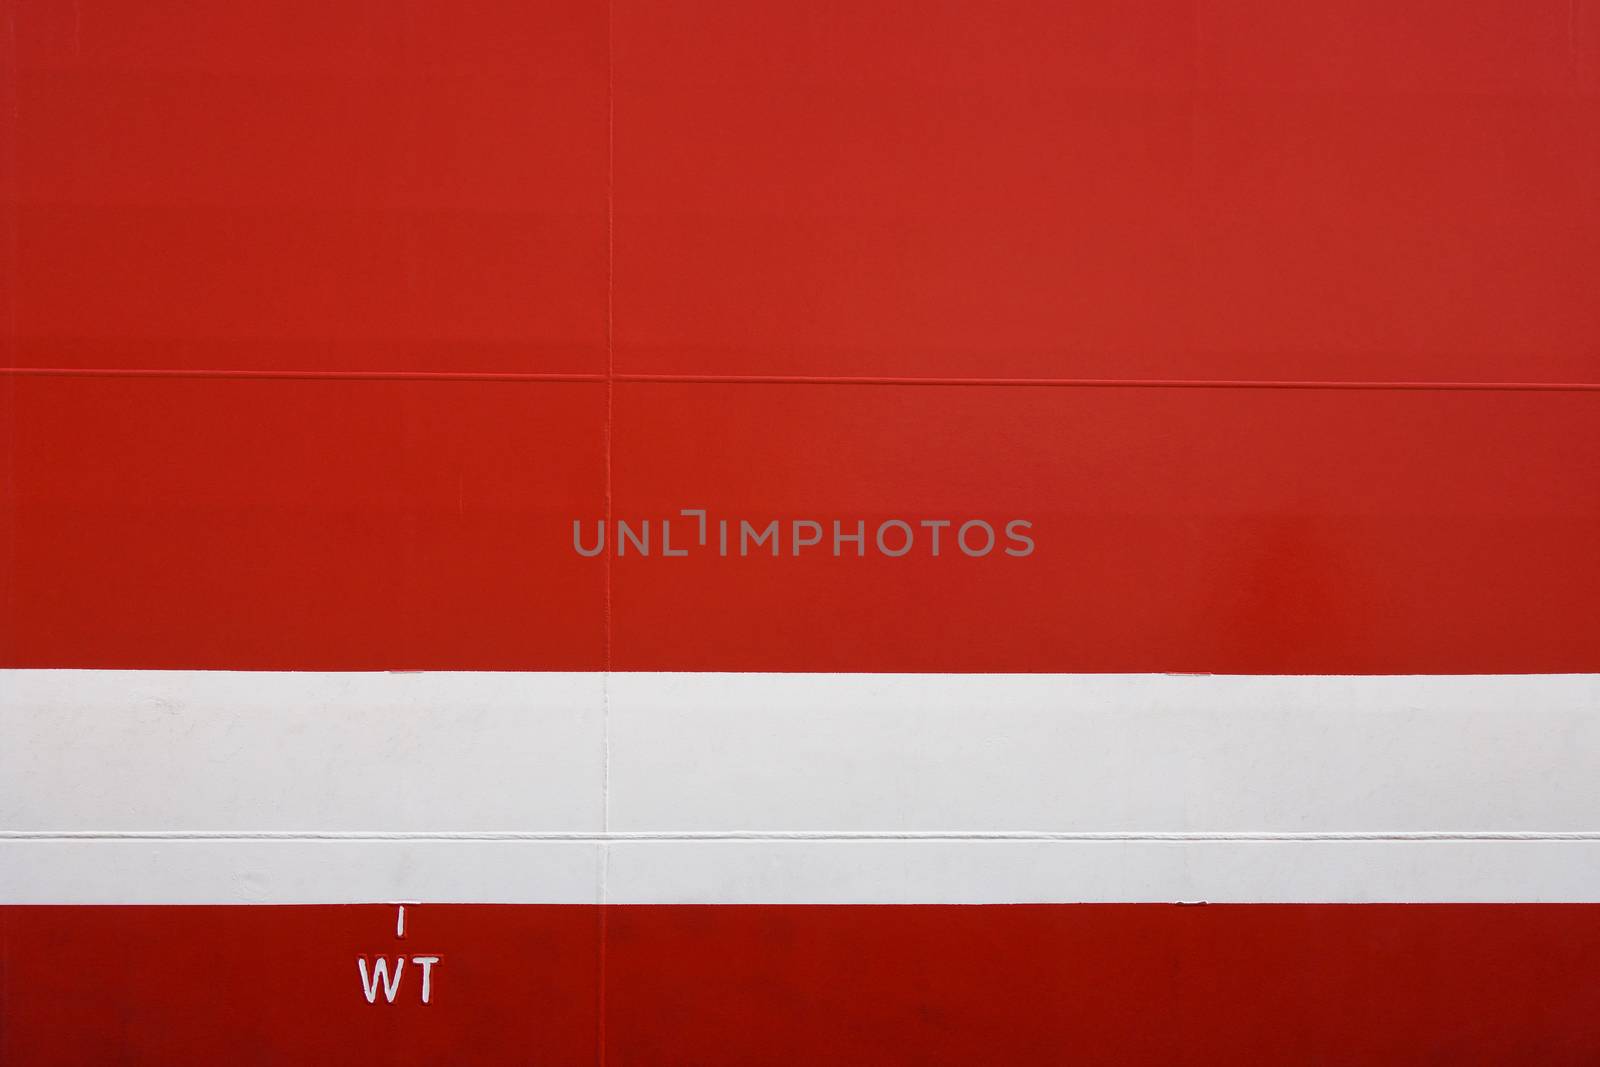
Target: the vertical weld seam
(11, 279)
(609, 434)
(604, 858)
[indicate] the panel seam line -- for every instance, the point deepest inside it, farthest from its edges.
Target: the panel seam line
(617, 836)
(611, 376)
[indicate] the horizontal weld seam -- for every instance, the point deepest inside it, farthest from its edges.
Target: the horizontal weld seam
(778, 836)
(793, 379)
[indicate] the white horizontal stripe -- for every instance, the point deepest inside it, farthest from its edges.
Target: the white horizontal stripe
(778, 835)
(165, 750)
(296, 872)
(1104, 752)
(227, 787)
(225, 750)
(1004, 872)
(794, 871)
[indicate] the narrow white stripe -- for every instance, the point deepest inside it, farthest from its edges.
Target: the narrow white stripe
(296, 787)
(777, 835)
(1005, 872)
(296, 872)
(794, 871)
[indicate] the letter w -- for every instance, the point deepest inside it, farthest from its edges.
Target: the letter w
(380, 973)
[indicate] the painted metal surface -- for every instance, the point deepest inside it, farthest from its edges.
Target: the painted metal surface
(1275, 323)
(1102, 984)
